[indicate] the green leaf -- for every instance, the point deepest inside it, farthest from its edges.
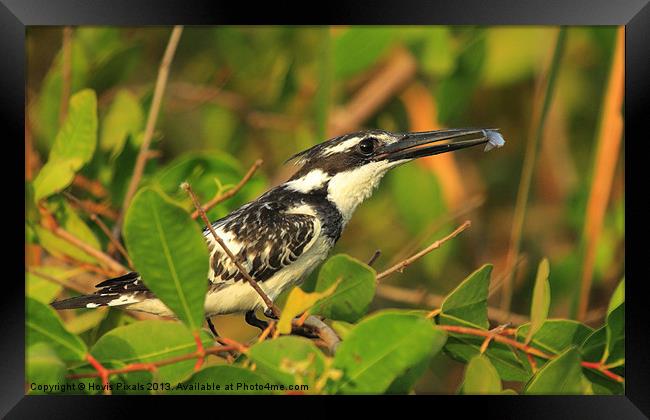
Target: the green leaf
(600, 385)
(352, 296)
(288, 360)
(40, 288)
(562, 375)
(72, 223)
(224, 380)
(114, 67)
(481, 377)
(86, 320)
(541, 300)
(342, 328)
(358, 48)
(54, 176)
(99, 42)
(404, 383)
(468, 301)
(618, 297)
(556, 335)
(73, 147)
(615, 350)
(383, 347)
(59, 247)
(43, 325)
(509, 366)
(150, 341)
(43, 367)
(594, 345)
(47, 106)
(124, 117)
(169, 251)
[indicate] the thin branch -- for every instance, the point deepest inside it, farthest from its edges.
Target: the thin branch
(104, 373)
(31, 156)
(374, 257)
(66, 73)
(154, 110)
(100, 256)
(602, 369)
(84, 289)
(524, 347)
(403, 264)
(97, 254)
(411, 246)
(494, 331)
(101, 209)
(324, 331)
(219, 198)
(87, 267)
(103, 227)
(267, 331)
(93, 187)
(269, 303)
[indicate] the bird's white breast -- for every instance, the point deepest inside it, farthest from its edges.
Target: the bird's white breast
(240, 296)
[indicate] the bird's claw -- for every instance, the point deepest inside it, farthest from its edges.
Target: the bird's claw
(268, 312)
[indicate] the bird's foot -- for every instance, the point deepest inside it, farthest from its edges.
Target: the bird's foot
(268, 312)
(254, 321)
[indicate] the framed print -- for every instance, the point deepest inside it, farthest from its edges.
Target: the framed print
(413, 200)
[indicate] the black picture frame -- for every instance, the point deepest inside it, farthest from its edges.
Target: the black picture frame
(16, 15)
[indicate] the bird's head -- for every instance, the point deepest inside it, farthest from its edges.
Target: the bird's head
(349, 167)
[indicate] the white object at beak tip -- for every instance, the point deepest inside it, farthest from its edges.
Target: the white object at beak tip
(495, 140)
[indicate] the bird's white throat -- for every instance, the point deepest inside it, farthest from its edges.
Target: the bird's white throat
(350, 188)
(345, 189)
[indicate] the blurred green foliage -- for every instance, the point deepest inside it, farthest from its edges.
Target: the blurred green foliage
(237, 94)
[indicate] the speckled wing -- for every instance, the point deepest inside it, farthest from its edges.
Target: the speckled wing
(264, 238)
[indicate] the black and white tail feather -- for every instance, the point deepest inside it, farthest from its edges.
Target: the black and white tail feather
(112, 292)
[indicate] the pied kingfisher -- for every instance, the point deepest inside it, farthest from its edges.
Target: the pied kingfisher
(284, 234)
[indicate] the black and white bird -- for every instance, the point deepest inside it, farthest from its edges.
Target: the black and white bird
(285, 233)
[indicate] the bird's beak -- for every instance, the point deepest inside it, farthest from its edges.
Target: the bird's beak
(415, 145)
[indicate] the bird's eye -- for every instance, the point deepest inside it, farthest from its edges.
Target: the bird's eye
(367, 146)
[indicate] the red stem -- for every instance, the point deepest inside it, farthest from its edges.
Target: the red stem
(200, 353)
(102, 372)
(526, 349)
